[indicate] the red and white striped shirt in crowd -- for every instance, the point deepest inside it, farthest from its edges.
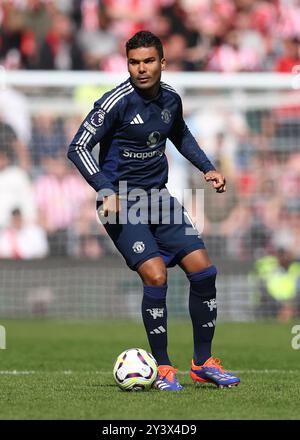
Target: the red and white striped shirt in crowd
(227, 59)
(59, 200)
(288, 21)
(129, 16)
(26, 243)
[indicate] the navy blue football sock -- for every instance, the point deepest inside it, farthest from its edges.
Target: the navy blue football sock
(154, 312)
(203, 311)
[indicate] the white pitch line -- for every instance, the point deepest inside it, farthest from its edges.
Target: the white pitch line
(15, 372)
(265, 371)
(69, 372)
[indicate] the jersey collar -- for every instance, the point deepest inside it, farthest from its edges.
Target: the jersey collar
(142, 95)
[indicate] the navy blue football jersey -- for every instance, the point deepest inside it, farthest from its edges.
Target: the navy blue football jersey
(132, 131)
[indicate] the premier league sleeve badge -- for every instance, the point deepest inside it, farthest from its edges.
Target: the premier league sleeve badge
(97, 118)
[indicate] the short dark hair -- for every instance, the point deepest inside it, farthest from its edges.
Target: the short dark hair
(145, 39)
(16, 212)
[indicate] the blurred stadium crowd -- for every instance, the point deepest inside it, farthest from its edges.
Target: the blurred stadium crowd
(46, 204)
(198, 35)
(47, 207)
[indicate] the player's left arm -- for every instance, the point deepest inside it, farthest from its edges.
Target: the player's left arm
(187, 145)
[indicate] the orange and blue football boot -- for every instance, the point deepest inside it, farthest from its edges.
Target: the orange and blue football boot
(166, 379)
(213, 372)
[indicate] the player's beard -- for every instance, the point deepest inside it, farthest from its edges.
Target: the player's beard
(150, 87)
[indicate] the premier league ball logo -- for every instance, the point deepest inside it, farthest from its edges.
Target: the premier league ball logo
(153, 139)
(98, 118)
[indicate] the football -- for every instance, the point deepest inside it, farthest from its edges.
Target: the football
(135, 370)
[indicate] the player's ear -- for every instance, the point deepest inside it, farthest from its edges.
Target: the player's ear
(163, 63)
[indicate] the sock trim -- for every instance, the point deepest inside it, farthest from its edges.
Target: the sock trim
(156, 292)
(202, 274)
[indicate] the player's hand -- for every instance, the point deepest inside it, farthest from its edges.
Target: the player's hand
(111, 204)
(219, 182)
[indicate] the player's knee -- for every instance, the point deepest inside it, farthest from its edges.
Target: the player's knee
(156, 279)
(159, 279)
(153, 272)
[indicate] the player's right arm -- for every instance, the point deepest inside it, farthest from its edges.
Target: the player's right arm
(111, 204)
(95, 126)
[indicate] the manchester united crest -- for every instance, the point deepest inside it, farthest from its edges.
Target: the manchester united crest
(166, 116)
(138, 247)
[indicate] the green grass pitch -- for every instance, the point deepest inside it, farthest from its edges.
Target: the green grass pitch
(63, 370)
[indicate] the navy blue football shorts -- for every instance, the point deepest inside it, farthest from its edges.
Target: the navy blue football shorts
(148, 227)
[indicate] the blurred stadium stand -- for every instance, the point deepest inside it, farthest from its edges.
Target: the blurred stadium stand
(243, 108)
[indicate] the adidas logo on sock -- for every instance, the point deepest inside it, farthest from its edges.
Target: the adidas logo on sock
(210, 324)
(158, 331)
(137, 120)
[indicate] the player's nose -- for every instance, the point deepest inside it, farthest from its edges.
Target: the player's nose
(142, 68)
